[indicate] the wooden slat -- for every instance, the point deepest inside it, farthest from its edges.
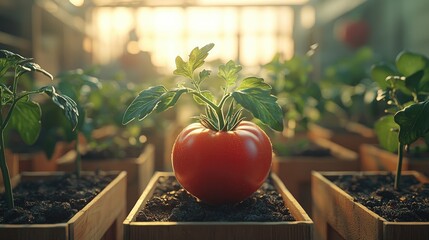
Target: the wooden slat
(97, 216)
(301, 229)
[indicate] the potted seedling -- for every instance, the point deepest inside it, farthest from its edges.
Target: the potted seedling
(383, 205)
(39, 209)
(405, 85)
(108, 145)
(297, 154)
(220, 161)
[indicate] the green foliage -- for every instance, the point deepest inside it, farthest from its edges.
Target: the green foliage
(298, 94)
(407, 95)
(348, 88)
(19, 111)
(251, 94)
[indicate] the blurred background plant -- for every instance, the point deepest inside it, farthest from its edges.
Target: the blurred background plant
(349, 91)
(297, 91)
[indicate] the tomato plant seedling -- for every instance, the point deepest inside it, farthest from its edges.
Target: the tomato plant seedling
(19, 111)
(405, 87)
(221, 159)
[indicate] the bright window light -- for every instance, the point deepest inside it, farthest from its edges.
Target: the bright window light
(251, 35)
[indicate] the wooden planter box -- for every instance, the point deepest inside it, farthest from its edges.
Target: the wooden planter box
(337, 216)
(101, 218)
(295, 171)
(374, 158)
(139, 170)
(300, 229)
(351, 137)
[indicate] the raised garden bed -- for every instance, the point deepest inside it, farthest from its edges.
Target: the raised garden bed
(100, 216)
(346, 213)
(215, 222)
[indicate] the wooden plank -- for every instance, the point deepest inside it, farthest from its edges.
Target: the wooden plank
(335, 210)
(301, 229)
(97, 216)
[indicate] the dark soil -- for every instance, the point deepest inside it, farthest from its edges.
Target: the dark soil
(52, 201)
(376, 192)
(171, 203)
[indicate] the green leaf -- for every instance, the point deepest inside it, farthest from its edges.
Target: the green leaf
(196, 60)
(204, 74)
(169, 99)
(229, 72)
(412, 82)
(26, 120)
(387, 134)
(197, 56)
(380, 72)
(413, 122)
(33, 67)
(254, 95)
(254, 82)
(206, 94)
(182, 68)
(144, 104)
(408, 63)
(69, 107)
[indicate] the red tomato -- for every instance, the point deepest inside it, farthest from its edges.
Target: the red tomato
(222, 167)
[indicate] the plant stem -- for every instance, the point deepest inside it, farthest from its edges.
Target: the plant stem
(78, 156)
(217, 109)
(399, 167)
(5, 172)
(3, 164)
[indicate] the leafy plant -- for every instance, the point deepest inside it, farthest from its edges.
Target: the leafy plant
(19, 111)
(106, 114)
(348, 88)
(252, 93)
(222, 149)
(79, 84)
(405, 88)
(299, 95)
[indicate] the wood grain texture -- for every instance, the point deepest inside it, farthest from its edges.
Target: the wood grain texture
(334, 210)
(89, 223)
(300, 229)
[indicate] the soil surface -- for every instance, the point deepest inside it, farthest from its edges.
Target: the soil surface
(171, 203)
(52, 201)
(409, 204)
